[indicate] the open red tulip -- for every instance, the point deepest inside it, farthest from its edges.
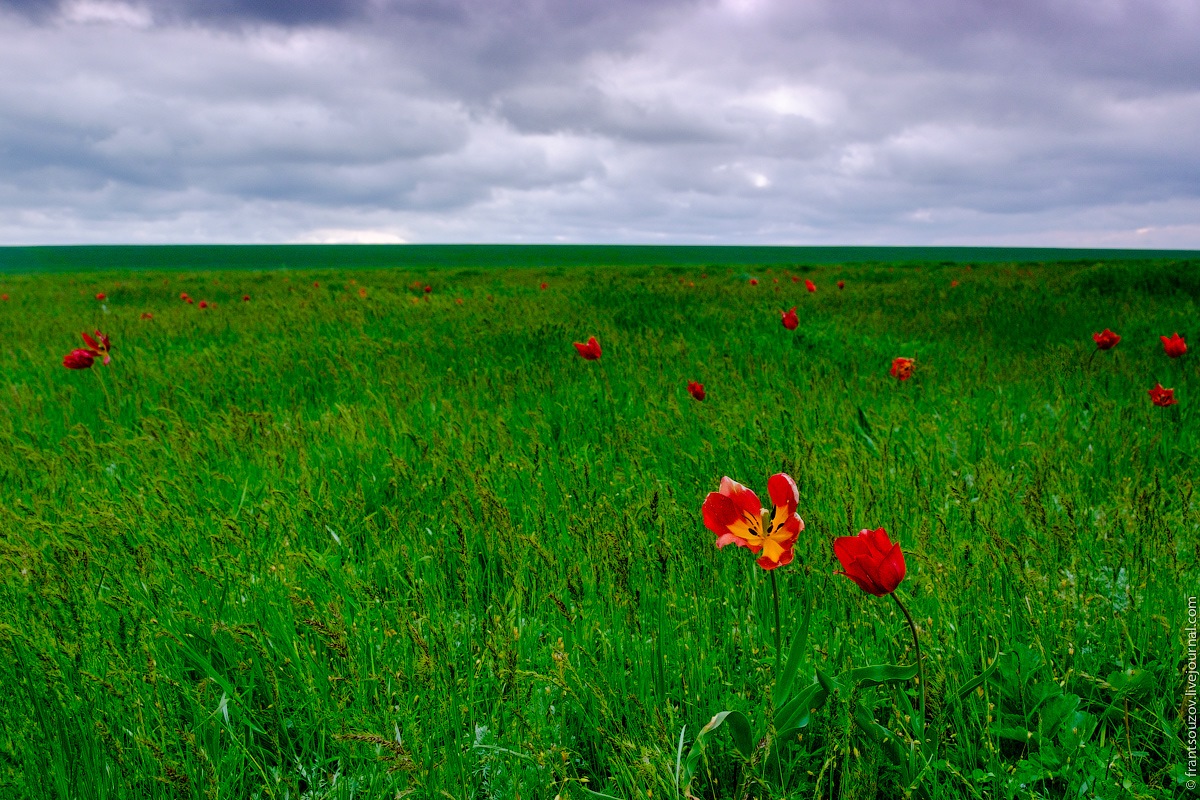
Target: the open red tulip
(736, 516)
(871, 560)
(1162, 397)
(902, 368)
(79, 359)
(1105, 339)
(98, 345)
(696, 389)
(789, 319)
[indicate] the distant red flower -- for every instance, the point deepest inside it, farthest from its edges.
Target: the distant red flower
(101, 296)
(316, 285)
(696, 389)
(953, 283)
(795, 279)
(362, 291)
(204, 304)
(1175, 346)
(79, 359)
(754, 281)
(458, 300)
(1162, 397)
(147, 315)
(428, 289)
(191, 301)
(841, 284)
(184, 297)
(1106, 339)
(812, 287)
(789, 319)
(902, 368)
(736, 516)
(245, 298)
(871, 560)
(3, 298)
(775, 280)
(545, 286)
(591, 350)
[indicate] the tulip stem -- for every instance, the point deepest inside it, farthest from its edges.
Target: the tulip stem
(917, 645)
(778, 647)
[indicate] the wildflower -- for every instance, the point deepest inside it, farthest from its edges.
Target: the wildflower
(362, 291)
(953, 283)
(736, 516)
(98, 345)
(1175, 346)
(79, 359)
(3, 298)
(316, 285)
(789, 319)
(841, 285)
(101, 296)
(458, 300)
(1106, 339)
(696, 389)
(812, 287)
(591, 350)
(245, 298)
(754, 281)
(428, 289)
(871, 560)
(147, 315)
(795, 279)
(544, 286)
(1162, 397)
(902, 368)
(204, 304)
(184, 297)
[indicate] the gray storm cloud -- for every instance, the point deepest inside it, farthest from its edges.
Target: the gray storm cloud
(858, 121)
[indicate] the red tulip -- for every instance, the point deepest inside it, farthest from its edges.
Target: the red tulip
(736, 516)
(1106, 339)
(789, 319)
(812, 287)
(841, 285)
(1162, 397)
(775, 280)
(316, 285)
(362, 291)
(147, 315)
(953, 284)
(428, 289)
(458, 300)
(101, 296)
(902, 368)
(871, 560)
(795, 279)
(191, 301)
(79, 359)
(3, 298)
(754, 281)
(184, 296)
(245, 298)
(1175, 346)
(591, 350)
(99, 346)
(696, 389)
(545, 286)
(204, 304)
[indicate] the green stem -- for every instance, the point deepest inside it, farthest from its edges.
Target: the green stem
(778, 627)
(917, 645)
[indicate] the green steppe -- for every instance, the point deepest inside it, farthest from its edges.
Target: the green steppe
(319, 545)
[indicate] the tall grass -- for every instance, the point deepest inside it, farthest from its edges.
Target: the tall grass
(320, 545)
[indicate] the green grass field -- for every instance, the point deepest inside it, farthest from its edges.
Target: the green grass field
(322, 545)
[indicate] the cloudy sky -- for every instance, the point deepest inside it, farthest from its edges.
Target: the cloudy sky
(1008, 122)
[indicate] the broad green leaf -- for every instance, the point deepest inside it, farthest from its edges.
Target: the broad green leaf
(739, 729)
(965, 690)
(797, 713)
(879, 674)
(783, 686)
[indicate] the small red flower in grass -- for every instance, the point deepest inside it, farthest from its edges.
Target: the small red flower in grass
(3, 298)
(191, 302)
(147, 315)
(99, 345)
(204, 304)
(754, 281)
(953, 284)
(841, 285)
(1162, 397)
(101, 296)
(362, 291)
(1105, 339)
(812, 287)
(591, 350)
(458, 300)
(871, 560)
(428, 289)
(546, 286)
(245, 298)
(696, 390)
(795, 279)
(316, 285)
(775, 280)
(736, 516)
(1175, 346)
(184, 297)
(902, 368)
(789, 319)
(79, 359)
